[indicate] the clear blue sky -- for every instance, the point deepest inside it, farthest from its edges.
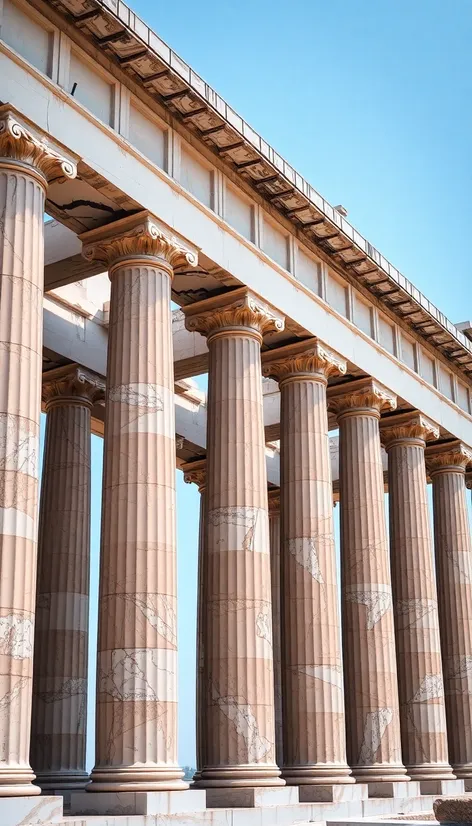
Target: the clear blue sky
(371, 102)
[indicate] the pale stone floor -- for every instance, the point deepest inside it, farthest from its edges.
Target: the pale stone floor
(382, 811)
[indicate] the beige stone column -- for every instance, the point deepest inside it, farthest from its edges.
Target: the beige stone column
(446, 464)
(26, 164)
(313, 704)
(137, 645)
(274, 541)
(420, 676)
(238, 667)
(195, 472)
(59, 719)
(372, 712)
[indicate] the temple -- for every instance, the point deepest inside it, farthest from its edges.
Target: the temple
(325, 692)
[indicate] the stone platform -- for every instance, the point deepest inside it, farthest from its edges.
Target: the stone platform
(281, 806)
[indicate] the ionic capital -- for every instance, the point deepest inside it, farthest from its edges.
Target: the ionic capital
(274, 501)
(454, 455)
(195, 473)
(239, 308)
(404, 427)
(363, 395)
(309, 358)
(137, 236)
(18, 143)
(72, 385)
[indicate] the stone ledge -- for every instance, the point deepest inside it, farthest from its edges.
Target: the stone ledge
(442, 787)
(248, 798)
(138, 803)
(37, 811)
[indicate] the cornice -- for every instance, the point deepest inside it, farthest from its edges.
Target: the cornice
(135, 236)
(239, 308)
(19, 143)
(361, 394)
(310, 358)
(407, 426)
(195, 473)
(72, 384)
(448, 455)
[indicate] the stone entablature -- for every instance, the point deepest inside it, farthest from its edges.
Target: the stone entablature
(178, 92)
(452, 385)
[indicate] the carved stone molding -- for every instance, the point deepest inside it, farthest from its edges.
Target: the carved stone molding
(17, 142)
(363, 394)
(407, 426)
(274, 501)
(72, 384)
(137, 235)
(195, 473)
(238, 308)
(310, 357)
(447, 456)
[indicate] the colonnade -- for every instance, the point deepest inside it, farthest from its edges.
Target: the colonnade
(287, 691)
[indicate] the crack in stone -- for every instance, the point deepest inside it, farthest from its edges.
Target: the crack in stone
(16, 636)
(376, 598)
(375, 726)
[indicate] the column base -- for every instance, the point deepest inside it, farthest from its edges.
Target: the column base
(58, 782)
(145, 779)
(242, 777)
(318, 773)
(379, 773)
(430, 771)
(16, 811)
(463, 771)
(17, 783)
(251, 798)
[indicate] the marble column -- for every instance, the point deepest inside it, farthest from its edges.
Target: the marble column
(446, 464)
(274, 541)
(372, 708)
(195, 472)
(238, 664)
(420, 676)
(26, 165)
(62, 605)
(313, 695)
(137, 645)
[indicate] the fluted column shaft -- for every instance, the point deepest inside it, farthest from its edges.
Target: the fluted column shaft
(372, 709)
(238, 667)
(196, 472)
(453, 550)
(420, 677)
(62, 607)
(137, 643)
(313, 695)
(274, 541)
(24, 169)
